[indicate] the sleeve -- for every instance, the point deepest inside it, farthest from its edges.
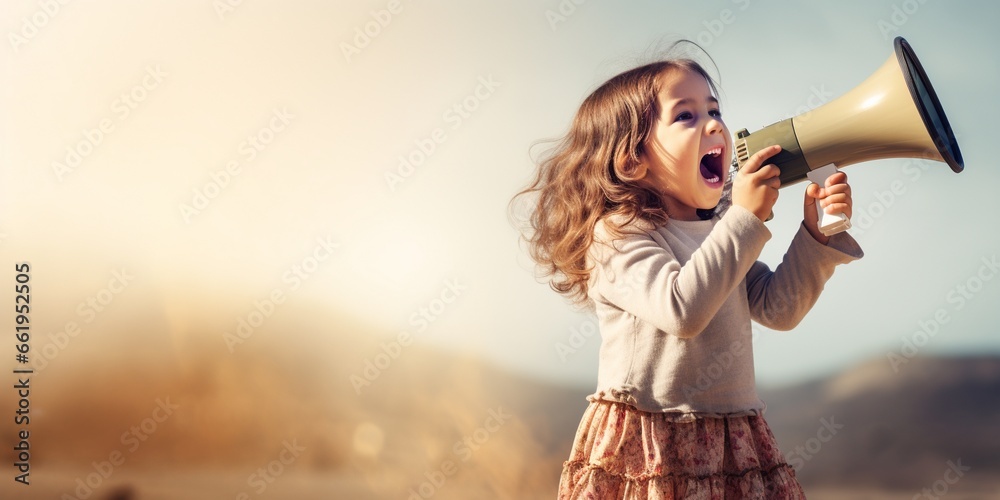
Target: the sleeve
(780, 299)
(641, 277)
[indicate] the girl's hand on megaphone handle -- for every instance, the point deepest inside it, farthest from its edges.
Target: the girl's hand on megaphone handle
(834, 198)
(756, 186)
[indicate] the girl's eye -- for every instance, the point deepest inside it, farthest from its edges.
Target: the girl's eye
(683, 116)
(717, 113)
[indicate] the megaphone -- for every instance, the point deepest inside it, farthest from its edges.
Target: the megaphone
(895, 113)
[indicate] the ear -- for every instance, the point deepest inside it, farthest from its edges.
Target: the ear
(630, 167)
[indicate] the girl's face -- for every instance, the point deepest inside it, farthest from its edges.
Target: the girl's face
(688, 152)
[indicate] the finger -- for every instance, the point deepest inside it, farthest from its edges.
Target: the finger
(835, 189)
(838, 178)
(754, 163)
(839, 199)
(835, 198)
(810, 197)
(773, 182)
(839, 208)
(768, 171)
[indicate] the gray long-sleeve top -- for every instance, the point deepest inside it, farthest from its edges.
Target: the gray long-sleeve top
(674, 305)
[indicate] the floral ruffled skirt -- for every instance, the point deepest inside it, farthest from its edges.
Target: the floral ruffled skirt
(624, 453)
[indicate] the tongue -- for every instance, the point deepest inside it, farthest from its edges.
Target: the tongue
(705, 171)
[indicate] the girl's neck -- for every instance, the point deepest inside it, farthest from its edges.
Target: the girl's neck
(679, 211)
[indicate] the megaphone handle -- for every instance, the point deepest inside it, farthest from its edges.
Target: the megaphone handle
(829, 224)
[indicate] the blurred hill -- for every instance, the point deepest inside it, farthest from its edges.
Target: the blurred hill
(900, 430)
(442, 421)
(425, 421)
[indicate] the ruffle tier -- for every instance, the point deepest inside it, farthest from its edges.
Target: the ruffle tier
(624, 453)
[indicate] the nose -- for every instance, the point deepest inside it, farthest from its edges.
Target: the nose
(714, 126)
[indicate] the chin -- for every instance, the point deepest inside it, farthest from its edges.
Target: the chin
(709, 204)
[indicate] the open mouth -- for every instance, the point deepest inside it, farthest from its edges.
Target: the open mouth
(711, 166)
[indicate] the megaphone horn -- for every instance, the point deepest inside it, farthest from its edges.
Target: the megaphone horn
(895, 113)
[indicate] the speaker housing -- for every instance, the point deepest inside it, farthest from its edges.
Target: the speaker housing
(894, 113)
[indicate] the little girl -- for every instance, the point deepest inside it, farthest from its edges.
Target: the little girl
(633, 219)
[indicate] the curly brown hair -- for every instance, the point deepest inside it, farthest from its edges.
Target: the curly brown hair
(594, 173)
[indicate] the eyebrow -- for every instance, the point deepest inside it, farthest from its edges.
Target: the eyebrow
(688, 100)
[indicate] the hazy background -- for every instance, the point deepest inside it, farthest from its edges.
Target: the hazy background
(394, 250)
